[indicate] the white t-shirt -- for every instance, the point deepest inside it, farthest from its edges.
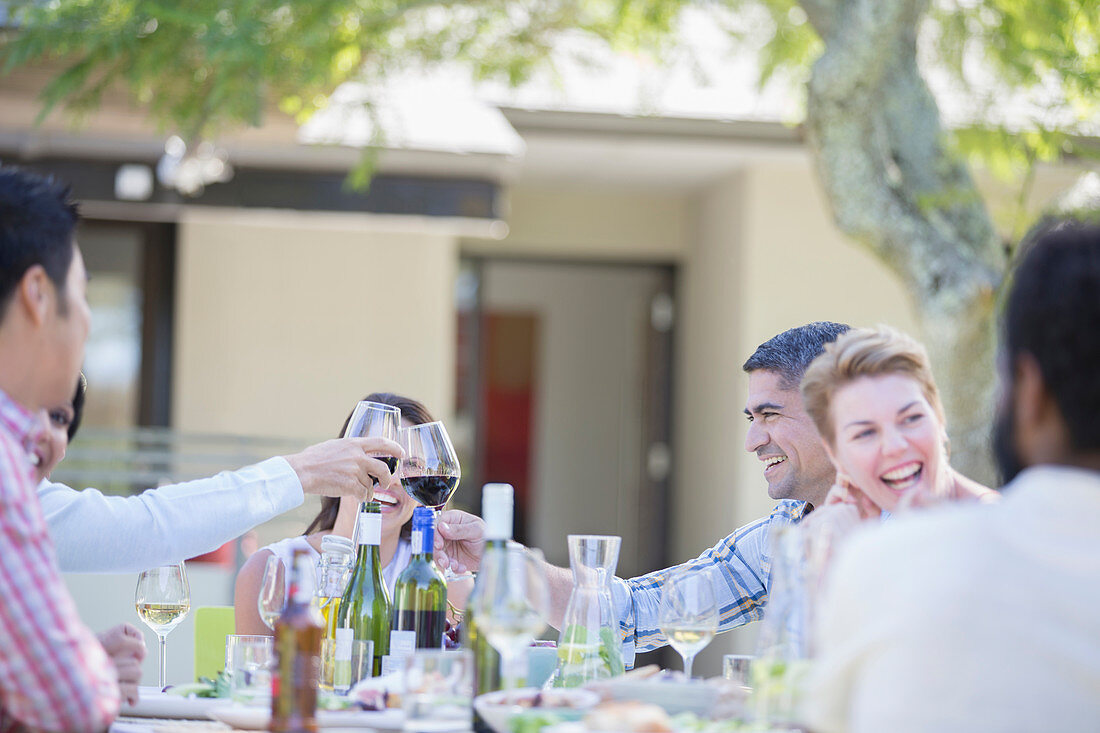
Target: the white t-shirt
(976, 618)
(284, 550)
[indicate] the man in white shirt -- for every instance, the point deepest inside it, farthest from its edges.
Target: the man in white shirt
(987, 617)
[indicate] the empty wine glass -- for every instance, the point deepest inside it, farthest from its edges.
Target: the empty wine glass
(162, 599)
(512, 605)
(375, 420)
(272, 596)
(688, 612)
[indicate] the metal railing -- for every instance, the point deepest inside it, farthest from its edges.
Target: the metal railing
(128, 461)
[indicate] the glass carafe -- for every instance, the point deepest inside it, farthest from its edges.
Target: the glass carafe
(783, 646)
(590, 646)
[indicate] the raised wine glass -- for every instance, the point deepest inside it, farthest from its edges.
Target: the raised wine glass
(688, 612)
(513, 605)
(430, 472)
(375, 420)
(272, 596)
(163, 599)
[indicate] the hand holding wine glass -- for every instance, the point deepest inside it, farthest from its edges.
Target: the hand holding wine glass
(512, 605)
(689, 612)
(272, 596)
(163, 599)
(375, 420)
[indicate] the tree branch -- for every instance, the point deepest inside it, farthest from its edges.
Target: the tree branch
(864, 168)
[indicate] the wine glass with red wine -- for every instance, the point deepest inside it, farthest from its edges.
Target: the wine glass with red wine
(375, 420)
(430, 471)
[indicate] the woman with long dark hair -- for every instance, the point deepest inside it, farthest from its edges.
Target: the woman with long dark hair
(337, 516)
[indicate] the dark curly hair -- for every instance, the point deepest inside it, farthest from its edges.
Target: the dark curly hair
(413, 411)
(1053, 313)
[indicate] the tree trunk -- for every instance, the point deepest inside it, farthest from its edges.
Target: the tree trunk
(875, 133)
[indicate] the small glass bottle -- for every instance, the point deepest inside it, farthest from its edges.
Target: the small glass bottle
(297, 656)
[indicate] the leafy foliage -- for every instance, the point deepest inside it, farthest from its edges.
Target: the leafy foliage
(206, 65)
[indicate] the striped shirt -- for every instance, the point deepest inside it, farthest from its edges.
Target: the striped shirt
(743, 560)
(54, 675)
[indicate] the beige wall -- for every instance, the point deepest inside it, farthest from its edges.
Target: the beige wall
(285, 319)
(581, 222)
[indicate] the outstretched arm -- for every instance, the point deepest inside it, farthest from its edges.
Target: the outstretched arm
(94, 533)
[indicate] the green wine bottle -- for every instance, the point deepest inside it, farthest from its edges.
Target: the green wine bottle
(420, 596)
(496, 510)
(364, 612)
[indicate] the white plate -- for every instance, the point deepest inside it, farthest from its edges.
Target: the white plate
(152, 703)
(258, 718)
(497, 714)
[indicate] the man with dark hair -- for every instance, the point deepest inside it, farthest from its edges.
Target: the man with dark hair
(54, 675)
(985, 617)
(796, 467)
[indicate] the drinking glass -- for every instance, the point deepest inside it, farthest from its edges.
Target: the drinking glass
(513, 606)
(163, 599)
(688, 612)
(248, 662)
(738, 669)
(431, 472)
(439, 690)
(375, 420)
(272, 596)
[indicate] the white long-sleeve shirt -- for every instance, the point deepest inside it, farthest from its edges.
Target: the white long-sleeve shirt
(94, 533)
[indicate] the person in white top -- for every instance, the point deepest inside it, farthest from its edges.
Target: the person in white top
(984, 618)
(95, 533)
(337, 516)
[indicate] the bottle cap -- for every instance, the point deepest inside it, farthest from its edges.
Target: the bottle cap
(423, 518)
(497, 501)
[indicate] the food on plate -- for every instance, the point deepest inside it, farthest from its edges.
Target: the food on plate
(379, 693)
(629, 716)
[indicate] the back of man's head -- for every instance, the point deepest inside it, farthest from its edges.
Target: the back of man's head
(1053, 314)
(37, 220)
(791, 352)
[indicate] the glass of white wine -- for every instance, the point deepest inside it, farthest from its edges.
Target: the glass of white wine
(163, 599)
(513, 606)
(272, 596)
(689, 612)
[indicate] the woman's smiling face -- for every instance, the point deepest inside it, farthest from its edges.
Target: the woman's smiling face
(889, 441)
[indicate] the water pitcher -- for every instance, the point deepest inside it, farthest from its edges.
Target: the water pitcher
(589, 647)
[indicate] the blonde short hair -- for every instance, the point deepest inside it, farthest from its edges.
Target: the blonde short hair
(865, 352)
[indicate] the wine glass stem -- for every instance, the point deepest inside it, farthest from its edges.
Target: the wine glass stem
(509, 661)
(688, 659)
(163, 663)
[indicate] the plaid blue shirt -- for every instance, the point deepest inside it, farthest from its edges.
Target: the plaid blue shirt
(744, 562)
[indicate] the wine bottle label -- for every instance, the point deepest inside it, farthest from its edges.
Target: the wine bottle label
(496, 508)
(370, 529)
(402, 643)
(344, 639)
(422, 542)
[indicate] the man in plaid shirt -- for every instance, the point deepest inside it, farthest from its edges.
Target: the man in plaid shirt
(54, 675)
(796, 467)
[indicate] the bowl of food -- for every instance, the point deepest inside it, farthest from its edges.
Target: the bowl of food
(498, 709)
